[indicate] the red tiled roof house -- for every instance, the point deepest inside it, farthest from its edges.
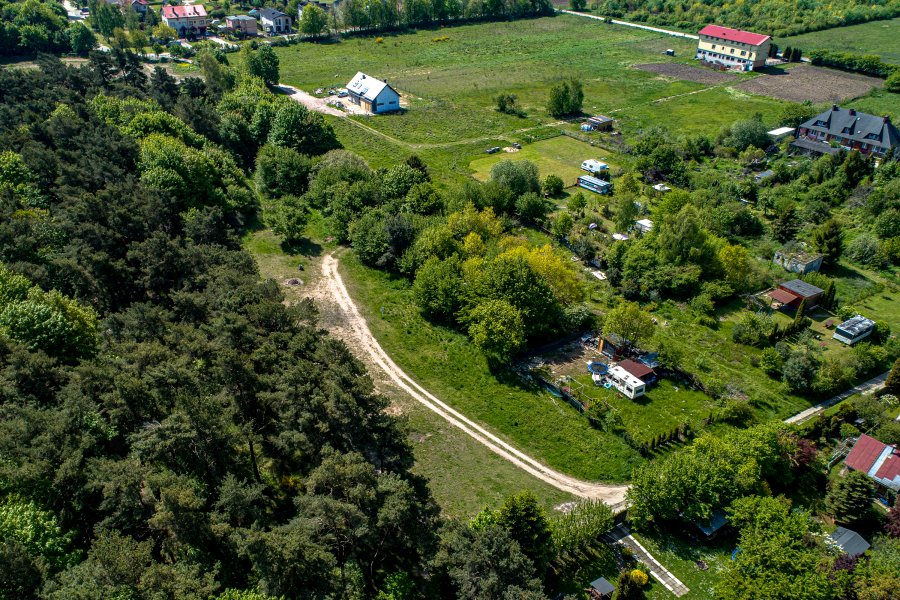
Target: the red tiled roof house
(733, 48)
(877, 460)
(187, 20)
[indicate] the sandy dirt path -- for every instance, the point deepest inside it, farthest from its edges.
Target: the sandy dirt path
(356, 329)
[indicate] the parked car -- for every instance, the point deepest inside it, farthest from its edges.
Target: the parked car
(517, 146)
(343, 94)
(493, 150)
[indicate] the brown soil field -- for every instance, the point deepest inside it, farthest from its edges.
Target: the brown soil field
(687, 72)
(817, 84)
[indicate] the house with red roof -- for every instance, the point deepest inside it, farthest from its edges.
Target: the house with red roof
(639, 370)
(188, 20)
(879, 461)
(733, 48)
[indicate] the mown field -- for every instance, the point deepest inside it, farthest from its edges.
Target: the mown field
(876, 37)
(450, 85)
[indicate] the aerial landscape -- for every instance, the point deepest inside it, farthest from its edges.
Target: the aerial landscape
(458, 299)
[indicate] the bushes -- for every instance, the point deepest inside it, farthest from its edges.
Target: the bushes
(857, 63)
(566, 98)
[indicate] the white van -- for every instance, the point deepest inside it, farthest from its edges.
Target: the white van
(593, 166)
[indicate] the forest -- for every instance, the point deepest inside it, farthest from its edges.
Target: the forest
(778, 18)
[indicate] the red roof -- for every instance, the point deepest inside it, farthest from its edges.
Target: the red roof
(864, 453)
(635, 368)
(181, 12)
(734, 35)
(782, 296)
(890, 468)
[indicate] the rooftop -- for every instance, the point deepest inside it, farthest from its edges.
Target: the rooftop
(603, 586)
(637, 369)
(782, 296)
(852, 125)
(801, 288)
(734, 35)
(781, 131)
(857, 325)
(365, 86)
(240, 18)
(622, 374)
(270, 13)
(181, 12)
(849, 541)
(798, 254)
(822, 147)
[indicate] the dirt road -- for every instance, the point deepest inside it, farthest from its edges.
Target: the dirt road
(310, 101)
(356, 329)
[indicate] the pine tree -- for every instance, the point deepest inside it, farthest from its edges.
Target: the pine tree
(786, 54)
(801, 312)
(850, 499)
(892, 384)
(796, 55)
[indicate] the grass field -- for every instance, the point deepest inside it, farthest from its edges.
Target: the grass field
(444, 362)
(876, 37)
(560, 156)
(463, 475)
(680, 557)
(450, 85)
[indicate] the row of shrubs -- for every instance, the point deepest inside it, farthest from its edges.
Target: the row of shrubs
(867, 64)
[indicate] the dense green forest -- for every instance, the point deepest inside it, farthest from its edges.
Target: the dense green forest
(772, 17)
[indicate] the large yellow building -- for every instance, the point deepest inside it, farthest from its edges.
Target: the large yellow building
(733, 47)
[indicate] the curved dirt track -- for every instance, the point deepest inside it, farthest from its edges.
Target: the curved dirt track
(358, 330)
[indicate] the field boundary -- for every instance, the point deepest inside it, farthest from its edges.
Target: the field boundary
(688, 36)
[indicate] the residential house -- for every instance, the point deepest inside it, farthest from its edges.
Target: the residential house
(793, 293)
(187, 20)
(138, 6)
(274, 21)
(601, 589)
(374, 95)
(850, 129)
(797, 261)
(877, 460)
(639, 370)
(854, 329)
(733, 48)
(242, 24)
(850, 542)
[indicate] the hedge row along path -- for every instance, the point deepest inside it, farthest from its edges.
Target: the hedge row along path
(361, 337)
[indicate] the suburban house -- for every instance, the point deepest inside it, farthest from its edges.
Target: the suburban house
(879, 461)
(644, 225)
(274, 21)
(792, 293)
(733, 48)
(243, 24)
(187, 20)
(630, 386)
(797, 261)
(639, 370)
(374, 95)
(854, 329)
(601, 589)
(138, 6)
(850, 129)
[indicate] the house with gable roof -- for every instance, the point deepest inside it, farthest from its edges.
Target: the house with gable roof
(879, 461)
(850, 129)
(374, 95)
(733, 48)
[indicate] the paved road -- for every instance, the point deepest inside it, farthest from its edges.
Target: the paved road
(866, 387)
(622, 536)
(689, 36)
(361, 339)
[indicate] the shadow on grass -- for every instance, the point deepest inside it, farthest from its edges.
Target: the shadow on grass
(303, 247)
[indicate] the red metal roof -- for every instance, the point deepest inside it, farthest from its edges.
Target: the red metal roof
(864, 453)
(734, 35)
(782, 296)
(181, 12)
(890, 468)
(635, 368)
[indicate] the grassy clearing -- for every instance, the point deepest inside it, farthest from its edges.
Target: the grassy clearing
(680, 557)
(450, 85)
(446, 364)
(560, 156)
(463, 475)
(876, 37)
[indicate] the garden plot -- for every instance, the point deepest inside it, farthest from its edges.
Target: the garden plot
(688, 73)
(816, 84)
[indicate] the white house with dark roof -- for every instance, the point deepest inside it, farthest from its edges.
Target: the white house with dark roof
(850, 129)
(274, 21)
(374, 95)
